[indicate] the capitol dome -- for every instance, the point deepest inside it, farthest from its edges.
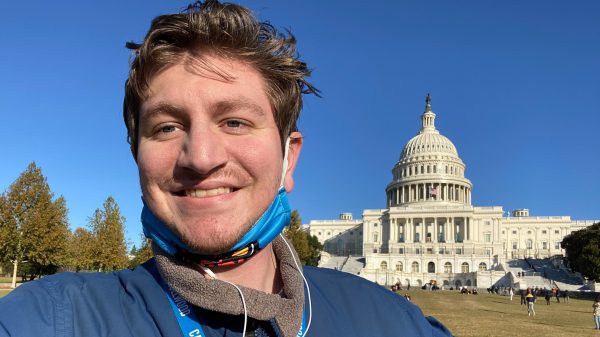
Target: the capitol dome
(429, 169)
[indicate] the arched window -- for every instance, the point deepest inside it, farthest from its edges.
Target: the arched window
(422, 169)
(383, 265)
(464, 267)
(399, 266)
(431, 267)
(447, 267)
(529, 244)
(482, 266)
(468, 283)
(415, 267)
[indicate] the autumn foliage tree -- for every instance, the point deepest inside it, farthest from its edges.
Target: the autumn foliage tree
(81, 250)
(33, 225)
(307, 247)
(583, 251)
(109, 246)
(141, 255)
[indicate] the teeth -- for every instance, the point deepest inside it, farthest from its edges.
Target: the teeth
(207, 193)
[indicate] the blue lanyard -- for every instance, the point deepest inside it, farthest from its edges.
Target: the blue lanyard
(186, 315)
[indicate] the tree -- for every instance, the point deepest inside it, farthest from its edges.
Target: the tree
(110, 249)
(141, 255)
(33, 226)
(307, 247)
(583, 251)
(81, 250)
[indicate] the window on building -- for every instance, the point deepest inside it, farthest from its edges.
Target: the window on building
(502, 232)
(487, 237)
(431, 267)
(544, 245)
(459, 250)
(544, 232)
(429, 250)
(464, 267)
(529, 244)
(328, 233)
(417, 237)
(417, 250)
(556, 231)
(383, 265)
(514, 245)
(487, 223)
(375, 224)
(447, 267)
(488, 251)
(415, 267)
(528, 232)
(557, 245)
(319, 233)
(375, 237)
(441, 250)
(375, 250)
(399, 266)
(400, 250)
(482, 266)
(514, 232)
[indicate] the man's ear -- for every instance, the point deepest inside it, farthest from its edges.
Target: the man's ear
(293, 154)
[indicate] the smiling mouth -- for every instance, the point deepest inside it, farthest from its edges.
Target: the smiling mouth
(198, 193)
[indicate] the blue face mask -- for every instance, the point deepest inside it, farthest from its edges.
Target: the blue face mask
(266, 228)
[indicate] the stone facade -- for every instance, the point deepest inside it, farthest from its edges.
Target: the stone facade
(431, 232)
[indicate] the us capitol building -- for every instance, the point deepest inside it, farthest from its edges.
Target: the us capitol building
(430, 231)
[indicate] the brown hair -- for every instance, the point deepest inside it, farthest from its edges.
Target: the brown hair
(227, 30)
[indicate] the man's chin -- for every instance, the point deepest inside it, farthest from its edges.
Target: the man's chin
(215, 244)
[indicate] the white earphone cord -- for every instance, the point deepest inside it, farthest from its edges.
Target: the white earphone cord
(212, 275)
(305, 282)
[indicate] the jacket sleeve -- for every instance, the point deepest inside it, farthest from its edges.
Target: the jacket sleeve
(29, 310)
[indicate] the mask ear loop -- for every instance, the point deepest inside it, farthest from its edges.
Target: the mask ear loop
(213, 276)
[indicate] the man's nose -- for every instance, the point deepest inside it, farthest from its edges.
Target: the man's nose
(203, 150)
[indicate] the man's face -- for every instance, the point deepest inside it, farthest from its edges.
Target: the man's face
(209, 153)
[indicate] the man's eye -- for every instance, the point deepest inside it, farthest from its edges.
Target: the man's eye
(167, 129)
(233, 124)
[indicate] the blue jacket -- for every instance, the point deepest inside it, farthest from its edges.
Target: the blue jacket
(132, 303)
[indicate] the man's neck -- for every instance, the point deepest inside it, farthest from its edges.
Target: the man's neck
(259, 272)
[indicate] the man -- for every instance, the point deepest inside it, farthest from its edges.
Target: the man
(211, 105)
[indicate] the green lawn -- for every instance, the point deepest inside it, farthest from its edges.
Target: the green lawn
(4, 292)
(486, 315)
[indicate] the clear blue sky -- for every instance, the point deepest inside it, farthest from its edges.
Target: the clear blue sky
(515, 85)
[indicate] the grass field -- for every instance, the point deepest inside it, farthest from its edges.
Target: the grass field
(4, 292)
(486, 315)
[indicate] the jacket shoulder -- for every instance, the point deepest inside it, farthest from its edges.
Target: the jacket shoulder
(86, 304)
(343, 302)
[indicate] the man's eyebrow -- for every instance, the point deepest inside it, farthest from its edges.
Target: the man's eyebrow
(160, 108)
(236, 104)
